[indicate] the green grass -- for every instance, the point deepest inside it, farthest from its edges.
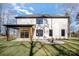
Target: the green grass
(13, 48)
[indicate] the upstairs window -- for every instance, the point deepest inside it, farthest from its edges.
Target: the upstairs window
(39, 32)
(39, 20)
(50, 32)
(63, 32)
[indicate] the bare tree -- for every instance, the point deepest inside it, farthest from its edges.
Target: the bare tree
(72, 9)
(0, 16)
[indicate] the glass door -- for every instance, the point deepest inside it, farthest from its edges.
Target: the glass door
(24, 34)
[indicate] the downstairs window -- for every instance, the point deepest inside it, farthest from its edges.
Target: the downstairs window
(39, 32)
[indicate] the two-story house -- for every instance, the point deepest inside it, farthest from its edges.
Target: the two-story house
(40, 27)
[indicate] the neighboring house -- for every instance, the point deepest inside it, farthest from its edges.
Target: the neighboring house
(37, 27)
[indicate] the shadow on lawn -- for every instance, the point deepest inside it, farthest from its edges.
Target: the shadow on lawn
(33, 44)
(42, 47)
(76, 53)
(61, 50)
(31, 49)
(64, 51)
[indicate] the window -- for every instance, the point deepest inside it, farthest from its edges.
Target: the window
(24, 34)
(62, 32)
(39, 20)
(50, 32)
(39, 32)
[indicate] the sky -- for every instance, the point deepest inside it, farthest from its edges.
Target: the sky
(24, 9)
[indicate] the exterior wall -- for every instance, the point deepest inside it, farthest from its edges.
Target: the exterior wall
(26, 21)
(56, 24)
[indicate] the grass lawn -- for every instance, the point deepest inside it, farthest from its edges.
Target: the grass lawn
(13, 48)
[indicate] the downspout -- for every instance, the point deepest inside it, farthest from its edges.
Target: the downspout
(51, 23)
(69, 35)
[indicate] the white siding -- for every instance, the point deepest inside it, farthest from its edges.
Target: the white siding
(26, 21)
(56, 24)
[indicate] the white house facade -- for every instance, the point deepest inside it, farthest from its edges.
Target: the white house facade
(42, 27)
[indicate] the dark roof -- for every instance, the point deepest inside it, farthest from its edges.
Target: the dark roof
(43, 16)
(17, 25)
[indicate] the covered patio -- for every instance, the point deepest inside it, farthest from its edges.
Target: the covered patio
(25, 31)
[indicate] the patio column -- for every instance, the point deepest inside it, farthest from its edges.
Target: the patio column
(31, 34)
(7, 33)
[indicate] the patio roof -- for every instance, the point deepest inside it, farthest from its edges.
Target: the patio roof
(18, 25)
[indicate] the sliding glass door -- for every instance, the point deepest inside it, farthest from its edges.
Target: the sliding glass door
(24, 34)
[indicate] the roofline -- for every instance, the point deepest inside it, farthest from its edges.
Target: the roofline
(44, 16)
(41, 17)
